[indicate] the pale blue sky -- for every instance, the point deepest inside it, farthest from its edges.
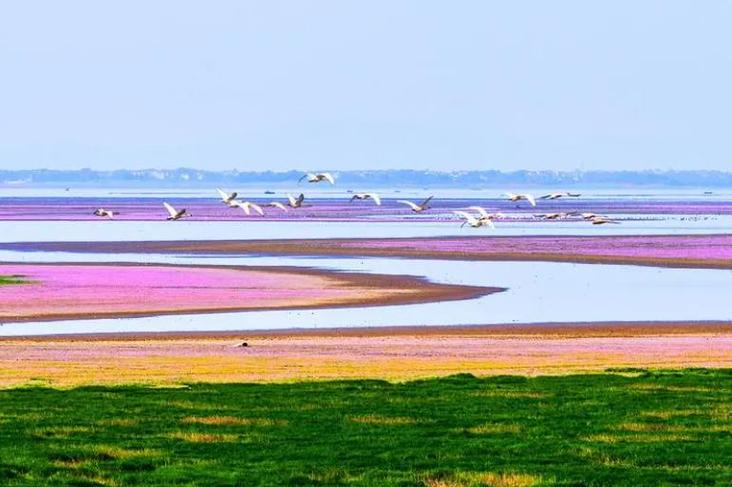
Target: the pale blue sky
(369, 84)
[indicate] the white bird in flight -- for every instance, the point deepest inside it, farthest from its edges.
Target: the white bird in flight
(248, 206)
(602, 220)
(556, 196)
(175, 214)
(227, 198)
(485, 215)
(295, 202)
(518, 197)
(417, 208)
(277, 204)
(473, 221)
(367, 196)
(104, 213)
(318, 177)
(552, 216)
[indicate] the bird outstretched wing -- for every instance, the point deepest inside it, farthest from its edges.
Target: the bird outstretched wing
(480, 210)
(410, 204)
(172, 211)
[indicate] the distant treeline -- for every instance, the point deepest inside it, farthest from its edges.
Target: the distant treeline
(413, 178)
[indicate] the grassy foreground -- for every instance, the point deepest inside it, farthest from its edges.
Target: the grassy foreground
(636, 428)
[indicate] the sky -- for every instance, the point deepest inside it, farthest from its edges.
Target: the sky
(277, 85)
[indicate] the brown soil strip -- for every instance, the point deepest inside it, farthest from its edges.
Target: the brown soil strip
(336, 247)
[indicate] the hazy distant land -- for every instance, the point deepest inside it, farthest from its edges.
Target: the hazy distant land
(185, 177)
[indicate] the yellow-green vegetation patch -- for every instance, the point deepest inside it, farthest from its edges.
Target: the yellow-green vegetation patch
(233, 421)
(670, 414)
(191, 405)
(652, 427)
(512, 394)
(383, 420)
(60, 431)
(494, 428)
(198, 437)
(491, 479)
(639, 438)
(121, 422)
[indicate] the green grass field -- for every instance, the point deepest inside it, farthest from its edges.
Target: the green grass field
(632, 428)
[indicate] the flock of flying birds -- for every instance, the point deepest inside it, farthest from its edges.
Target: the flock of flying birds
(481, 218)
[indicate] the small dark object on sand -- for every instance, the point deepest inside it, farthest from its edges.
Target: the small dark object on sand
(243, 344)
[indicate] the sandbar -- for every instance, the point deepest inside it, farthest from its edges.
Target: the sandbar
(53, 291)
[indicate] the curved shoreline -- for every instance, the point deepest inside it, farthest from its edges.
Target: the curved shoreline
(713, 251)
(325, 289)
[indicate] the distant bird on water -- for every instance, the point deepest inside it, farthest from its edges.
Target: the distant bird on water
(417, 208)
(602, 220)
(175, 214)
(104, 213)
(367, 196)
(518, 197)
(318, 177)
(556, 196)
(552, 216)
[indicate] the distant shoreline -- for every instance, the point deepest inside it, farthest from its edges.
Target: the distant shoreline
(190, 177)
(564, 330)
(704, 251)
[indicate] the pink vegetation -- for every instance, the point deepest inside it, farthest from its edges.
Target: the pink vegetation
(69, 291)
(684, 247)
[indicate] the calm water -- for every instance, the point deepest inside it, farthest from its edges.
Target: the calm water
(538, 292)
(188, 230)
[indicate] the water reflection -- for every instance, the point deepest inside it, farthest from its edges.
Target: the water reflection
(537, 292)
